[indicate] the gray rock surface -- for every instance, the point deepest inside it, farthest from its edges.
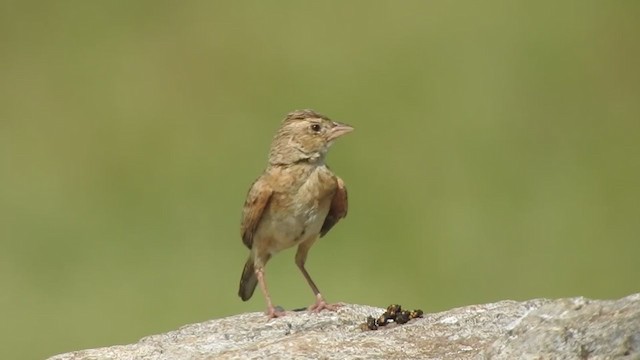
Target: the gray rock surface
(574, 328)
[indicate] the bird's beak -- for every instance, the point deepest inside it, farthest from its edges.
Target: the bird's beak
(338, 130)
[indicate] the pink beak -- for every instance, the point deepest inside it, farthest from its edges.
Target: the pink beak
(338, 130)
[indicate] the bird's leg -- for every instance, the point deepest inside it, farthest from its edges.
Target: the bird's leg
(320, 304)
(271, 311)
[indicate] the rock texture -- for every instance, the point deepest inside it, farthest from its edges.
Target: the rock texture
(575, 328)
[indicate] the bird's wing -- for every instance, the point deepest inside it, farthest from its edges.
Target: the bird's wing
(257, 200)
(338, 209)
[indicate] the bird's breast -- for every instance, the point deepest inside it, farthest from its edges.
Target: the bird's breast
(296, 213)
(313, 197)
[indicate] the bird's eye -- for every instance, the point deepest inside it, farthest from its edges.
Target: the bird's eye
(315, 127)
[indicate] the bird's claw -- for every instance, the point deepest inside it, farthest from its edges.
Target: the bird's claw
(273, 313)
(321, 304)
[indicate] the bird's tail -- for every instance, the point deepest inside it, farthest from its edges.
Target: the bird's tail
(248, 280)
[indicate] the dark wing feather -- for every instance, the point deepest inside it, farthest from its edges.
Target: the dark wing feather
(257, 200)
(338, 209)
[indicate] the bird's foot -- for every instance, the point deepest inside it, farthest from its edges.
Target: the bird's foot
(275, 312)
(321, 304)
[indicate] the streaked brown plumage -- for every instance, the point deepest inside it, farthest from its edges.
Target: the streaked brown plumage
(294, 202)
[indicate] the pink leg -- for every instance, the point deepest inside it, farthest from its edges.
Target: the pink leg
(320, 303)
(271, 311)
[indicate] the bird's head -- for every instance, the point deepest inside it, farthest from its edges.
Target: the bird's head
(305, 135)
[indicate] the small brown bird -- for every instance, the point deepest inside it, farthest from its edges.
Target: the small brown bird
(295, 201)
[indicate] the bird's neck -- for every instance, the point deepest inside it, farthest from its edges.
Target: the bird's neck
(295, 155)
(312, 161)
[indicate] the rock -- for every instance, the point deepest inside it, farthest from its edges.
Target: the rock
(574, 328)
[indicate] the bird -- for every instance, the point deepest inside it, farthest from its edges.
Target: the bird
(295, 201)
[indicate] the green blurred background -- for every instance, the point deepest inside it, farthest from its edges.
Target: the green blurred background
(495, 156)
